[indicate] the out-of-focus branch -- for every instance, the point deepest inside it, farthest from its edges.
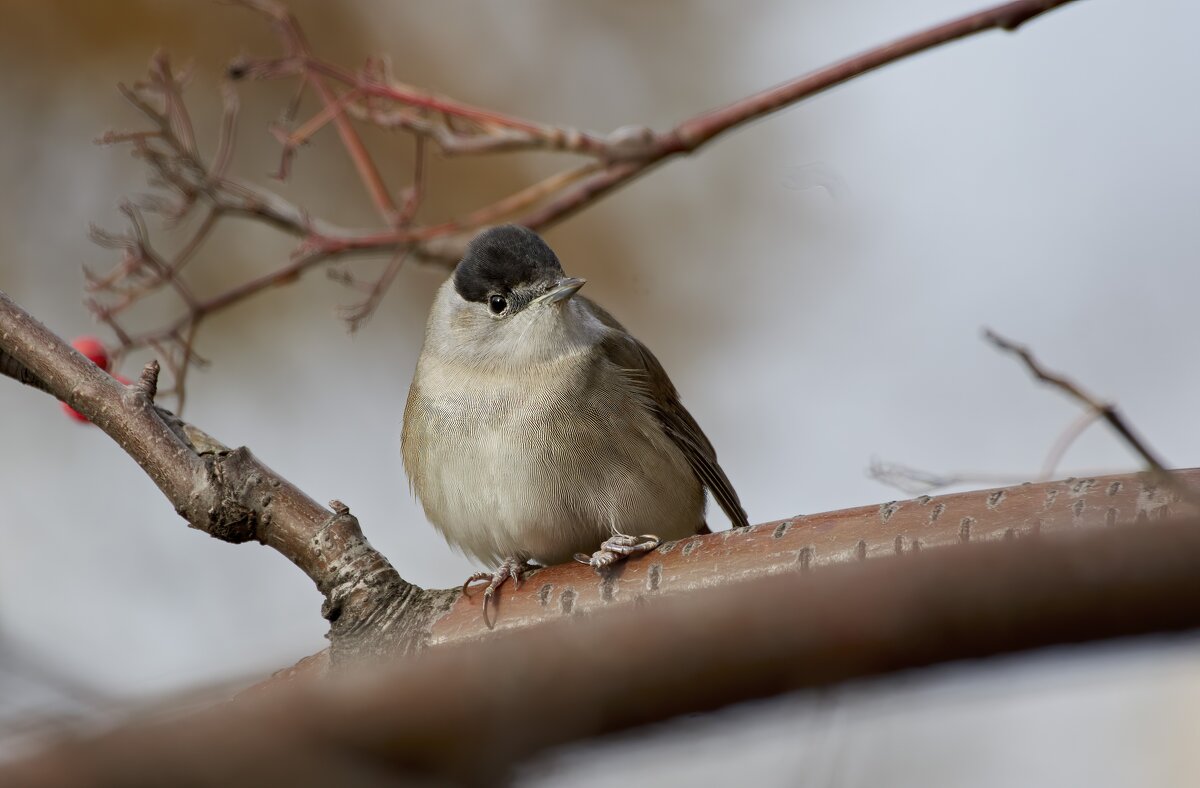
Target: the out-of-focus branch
(372, 96)
(692, 654)
(917, 481)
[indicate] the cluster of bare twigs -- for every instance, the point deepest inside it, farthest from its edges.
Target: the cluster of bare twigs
(192, 183)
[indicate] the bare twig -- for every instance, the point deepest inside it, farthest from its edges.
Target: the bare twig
(1104, 410)
(370, 95)
(1065, 441)
(915, 481)
(359, 313)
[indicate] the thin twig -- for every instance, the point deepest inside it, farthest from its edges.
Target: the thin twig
(370, 94)
(915, 481)
(1104, 410)
(358, 314)
(1065, 441)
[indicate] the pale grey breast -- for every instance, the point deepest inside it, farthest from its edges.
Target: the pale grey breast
(545, 464)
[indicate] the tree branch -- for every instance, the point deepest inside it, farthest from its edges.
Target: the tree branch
(1104, 410)
(691, 654)
(372, 96)
(229, 494)
(232, 496)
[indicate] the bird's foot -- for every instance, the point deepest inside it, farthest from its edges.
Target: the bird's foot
(616, 548)
(509, 568)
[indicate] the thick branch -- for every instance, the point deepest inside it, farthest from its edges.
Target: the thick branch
(424, 718)
(808, 542)
(126, 415)
(231, 495)
(228, 494)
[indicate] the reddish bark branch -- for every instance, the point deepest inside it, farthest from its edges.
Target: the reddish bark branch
(808, 542)
(796, 605)
(370, 95)
(435, 717)
(693, 133)
(232, 496)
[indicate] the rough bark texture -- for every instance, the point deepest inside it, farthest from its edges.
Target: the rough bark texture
(229, 494)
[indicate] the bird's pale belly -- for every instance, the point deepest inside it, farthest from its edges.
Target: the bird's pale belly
(541, 475)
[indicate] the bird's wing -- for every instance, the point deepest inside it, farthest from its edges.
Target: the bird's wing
(635, 358)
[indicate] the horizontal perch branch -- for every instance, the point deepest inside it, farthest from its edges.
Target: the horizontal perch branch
(231, 495)
(808, 542)
(471, 711)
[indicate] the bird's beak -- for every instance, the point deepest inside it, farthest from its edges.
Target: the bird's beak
(563, 289)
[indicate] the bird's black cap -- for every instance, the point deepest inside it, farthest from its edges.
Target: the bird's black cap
(501, 258)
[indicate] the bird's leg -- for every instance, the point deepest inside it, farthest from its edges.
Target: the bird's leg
(617, 547)
(509, 567)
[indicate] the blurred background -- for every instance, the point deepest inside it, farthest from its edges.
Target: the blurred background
(815, 284)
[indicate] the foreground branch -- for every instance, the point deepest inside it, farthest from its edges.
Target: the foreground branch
(471, 712)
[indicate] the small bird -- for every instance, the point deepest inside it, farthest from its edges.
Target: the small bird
(538, 429)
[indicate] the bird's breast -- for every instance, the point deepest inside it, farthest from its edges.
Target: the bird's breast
(545, 463)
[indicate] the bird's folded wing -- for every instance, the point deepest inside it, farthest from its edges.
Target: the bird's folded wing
(636, 359)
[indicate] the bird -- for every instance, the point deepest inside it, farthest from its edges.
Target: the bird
(538, 429)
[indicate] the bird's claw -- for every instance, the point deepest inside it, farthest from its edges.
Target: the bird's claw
(513, 568)
(617, 547)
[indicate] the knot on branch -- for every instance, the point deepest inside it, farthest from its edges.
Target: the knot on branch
(354, 567)
(242, 500)
(372, 611)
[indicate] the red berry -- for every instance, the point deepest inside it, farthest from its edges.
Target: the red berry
(76, 415)
(93, 349)
(72, 413)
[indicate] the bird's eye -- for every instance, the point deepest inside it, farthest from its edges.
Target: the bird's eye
(497, 304)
